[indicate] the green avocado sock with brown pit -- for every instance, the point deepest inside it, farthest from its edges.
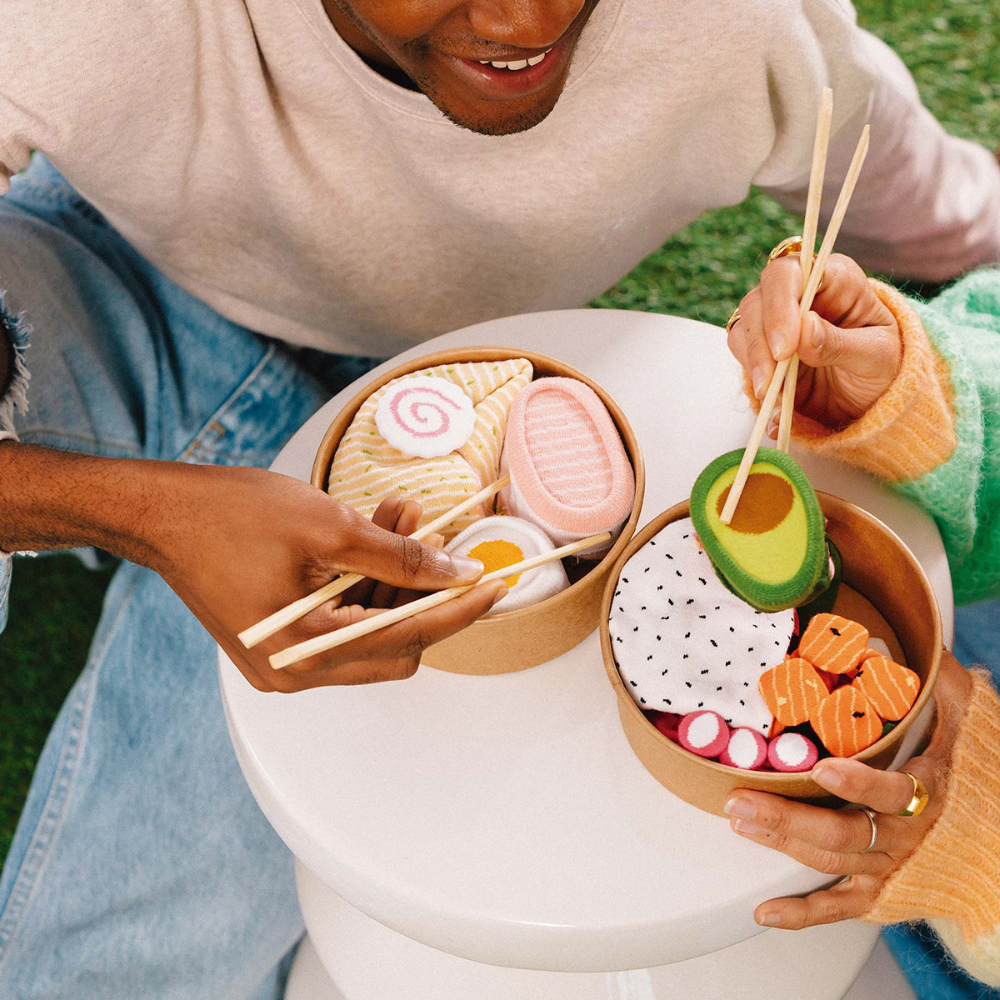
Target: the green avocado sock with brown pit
(774, 553)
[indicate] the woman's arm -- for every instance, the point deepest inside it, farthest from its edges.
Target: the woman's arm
(909, 391)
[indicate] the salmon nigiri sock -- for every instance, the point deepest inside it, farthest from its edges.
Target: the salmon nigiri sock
(846, 722)
(833, 643)
(889, 686)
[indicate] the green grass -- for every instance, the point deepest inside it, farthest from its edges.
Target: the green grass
(952, 48)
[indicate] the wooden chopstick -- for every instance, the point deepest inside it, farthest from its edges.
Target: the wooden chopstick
(322, 643)
(293, 612)
(811, 225)
(767, 407)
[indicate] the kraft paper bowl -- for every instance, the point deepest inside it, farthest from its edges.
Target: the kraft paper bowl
(883, 587)
(512, 640)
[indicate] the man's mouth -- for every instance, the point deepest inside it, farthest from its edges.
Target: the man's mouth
(518, 74)
(517, 64)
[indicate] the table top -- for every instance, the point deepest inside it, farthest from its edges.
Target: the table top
(505, 819)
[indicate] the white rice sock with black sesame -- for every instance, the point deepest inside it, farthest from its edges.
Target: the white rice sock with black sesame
(685, 642)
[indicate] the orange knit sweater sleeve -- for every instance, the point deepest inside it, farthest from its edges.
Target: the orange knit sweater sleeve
(953, 878)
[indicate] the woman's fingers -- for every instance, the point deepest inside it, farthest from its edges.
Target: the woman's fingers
(796, 828)
(844, 901)
(870, 352)
(781, 290)
(884, 791)
(748, 344)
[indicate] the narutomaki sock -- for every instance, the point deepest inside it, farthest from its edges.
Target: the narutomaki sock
(368, 467)
(746, 749)
(502, 541)
(703, 733)
(569, 473)
(683, 641)
(792, 752)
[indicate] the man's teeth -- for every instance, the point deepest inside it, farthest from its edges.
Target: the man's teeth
(517, 64)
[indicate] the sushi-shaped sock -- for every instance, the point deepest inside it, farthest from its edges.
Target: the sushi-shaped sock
(502, 541)
(773, 553)
(746, 749)
(833, 643)
(367, 466)
(846, 722)
(683, 641)
(791, 690)
(792, 752)
(569, 473)
(703, 733)
(889, 686)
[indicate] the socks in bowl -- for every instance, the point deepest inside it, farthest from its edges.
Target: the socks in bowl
(568, 468)
(416, 437)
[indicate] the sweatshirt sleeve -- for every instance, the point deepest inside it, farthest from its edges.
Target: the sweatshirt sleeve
(927, 205)
(953, 878)
(935, 434)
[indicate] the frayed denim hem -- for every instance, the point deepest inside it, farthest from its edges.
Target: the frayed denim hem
(15, 398)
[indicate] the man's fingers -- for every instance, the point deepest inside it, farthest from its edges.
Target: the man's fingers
(402, 641)
(781, 290)
(884, 791)
(363, 547)
(844, 901)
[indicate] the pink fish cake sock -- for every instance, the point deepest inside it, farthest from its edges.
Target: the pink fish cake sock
(569, 473)
(704, 733)
(792, 752)
(746, 749)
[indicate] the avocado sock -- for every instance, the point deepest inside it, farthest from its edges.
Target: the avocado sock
(774, 553)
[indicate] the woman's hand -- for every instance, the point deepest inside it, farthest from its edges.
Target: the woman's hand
(832, 841)
(849, 344)
(242, 543)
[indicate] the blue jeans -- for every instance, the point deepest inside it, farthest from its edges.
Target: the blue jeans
(141, 866)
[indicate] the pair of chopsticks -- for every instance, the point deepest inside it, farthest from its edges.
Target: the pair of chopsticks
(786, 372)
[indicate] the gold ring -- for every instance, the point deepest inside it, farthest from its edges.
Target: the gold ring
(787, 248)
(733, 320)
(920, 798)
(870, 813)
(792, 247)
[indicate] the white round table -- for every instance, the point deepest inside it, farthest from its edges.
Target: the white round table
(493, 838)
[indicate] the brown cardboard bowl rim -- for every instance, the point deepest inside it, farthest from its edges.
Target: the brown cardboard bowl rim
(334, 432)
(776, 780)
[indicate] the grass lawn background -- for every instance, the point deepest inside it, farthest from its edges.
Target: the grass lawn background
(953, 50)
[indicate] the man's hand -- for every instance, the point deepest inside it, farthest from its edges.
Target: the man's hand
(849, 344)
(258, 540)
(238, 544)
(833, 841)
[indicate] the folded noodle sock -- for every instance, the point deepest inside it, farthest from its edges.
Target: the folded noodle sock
(568, 468)
(367, 468)
(502, 541)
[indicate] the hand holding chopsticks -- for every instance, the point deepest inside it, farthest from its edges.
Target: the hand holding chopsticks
(812, 285)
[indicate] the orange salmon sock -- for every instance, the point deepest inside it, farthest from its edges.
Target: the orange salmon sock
(833, 644)
(846, 722)
(889, 686)
(792, 690)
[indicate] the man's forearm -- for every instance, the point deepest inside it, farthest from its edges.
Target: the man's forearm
(52, 499)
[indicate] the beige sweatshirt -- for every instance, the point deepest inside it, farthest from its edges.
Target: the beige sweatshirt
(244, 149)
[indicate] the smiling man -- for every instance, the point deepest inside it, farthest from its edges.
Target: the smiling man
(235, 205)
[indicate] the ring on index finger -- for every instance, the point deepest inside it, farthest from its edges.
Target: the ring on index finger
(791, 247)
(733, 320)
(920, 797)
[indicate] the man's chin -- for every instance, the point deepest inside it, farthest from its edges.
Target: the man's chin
(495, 119)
